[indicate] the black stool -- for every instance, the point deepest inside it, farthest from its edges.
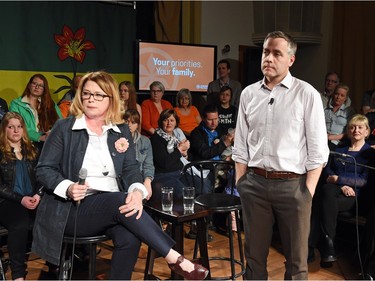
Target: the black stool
(225, 203)
(66, 264)
(219, 203)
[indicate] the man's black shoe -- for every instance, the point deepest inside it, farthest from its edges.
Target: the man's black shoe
(327, 251)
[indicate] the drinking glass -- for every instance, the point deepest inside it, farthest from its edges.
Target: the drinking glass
(188, 194)
(167, 198)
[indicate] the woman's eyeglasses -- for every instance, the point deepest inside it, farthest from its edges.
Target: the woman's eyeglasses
(36, 85)
(97, 96)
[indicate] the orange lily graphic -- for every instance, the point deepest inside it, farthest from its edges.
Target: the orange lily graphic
(73, 46)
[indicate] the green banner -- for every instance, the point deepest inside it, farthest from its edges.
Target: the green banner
(28, 32)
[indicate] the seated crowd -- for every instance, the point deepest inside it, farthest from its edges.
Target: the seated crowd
(163, 139)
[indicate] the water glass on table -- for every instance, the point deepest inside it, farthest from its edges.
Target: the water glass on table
(167, 199)
(188, 195)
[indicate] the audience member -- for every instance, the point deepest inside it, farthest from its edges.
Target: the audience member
(337, 114)
(227, 112)
(330, 83)
(368, 101)
(169, 145)
(343, 182)
(168, 148)
(152, 107)
(37, 108)
(128, 98)
(66, 101)
(3, 108)
(368, 244)
(213, 90)
(371, 120)
(143, 149)
(186, 111)
(19, 194)
(280, 149)
(208, 141)
(96, 138)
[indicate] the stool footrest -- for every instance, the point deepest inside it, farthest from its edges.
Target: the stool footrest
(241, 264)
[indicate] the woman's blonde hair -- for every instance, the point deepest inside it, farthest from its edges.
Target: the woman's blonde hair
(359, 119)
(29, 151)
(109, 86)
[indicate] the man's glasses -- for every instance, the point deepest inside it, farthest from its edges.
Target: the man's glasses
(36, 85)
(156, 91)
(97, 96)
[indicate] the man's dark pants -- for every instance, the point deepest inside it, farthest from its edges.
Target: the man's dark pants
(288, 201)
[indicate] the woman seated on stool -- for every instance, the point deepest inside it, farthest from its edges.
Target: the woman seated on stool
(95, 137)
(343, 182)
(19, 194)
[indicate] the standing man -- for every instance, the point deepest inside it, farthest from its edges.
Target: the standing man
(213, 90)
(280, 148)
(331, 81)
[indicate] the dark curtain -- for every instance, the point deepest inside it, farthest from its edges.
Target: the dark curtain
(168, 21)
(146, 20)
(27, 30)
(353, 47)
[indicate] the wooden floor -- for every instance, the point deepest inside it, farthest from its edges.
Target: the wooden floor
(345, 268)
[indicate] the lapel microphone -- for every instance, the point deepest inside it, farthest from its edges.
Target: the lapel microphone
(271, 101)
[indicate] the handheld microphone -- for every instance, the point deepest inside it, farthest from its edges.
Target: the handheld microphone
(82, 178)
(271, 101)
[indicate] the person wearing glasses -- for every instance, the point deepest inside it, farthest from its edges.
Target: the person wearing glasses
(187, 112)
(331, 80)
(37, 108)
(152, 107)
(95, 137)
